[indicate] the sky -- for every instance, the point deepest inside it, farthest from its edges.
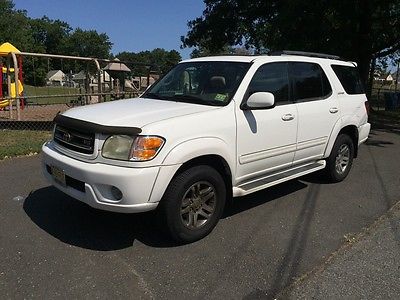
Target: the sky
(131, 25)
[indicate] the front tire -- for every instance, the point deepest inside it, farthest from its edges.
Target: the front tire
(193, 203)
(340, 161)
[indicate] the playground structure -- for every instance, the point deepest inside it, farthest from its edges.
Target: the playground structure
(8, 86)
(43, 106)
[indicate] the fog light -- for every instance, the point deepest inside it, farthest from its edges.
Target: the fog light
(116, 193)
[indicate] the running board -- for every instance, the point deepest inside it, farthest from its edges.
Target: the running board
(256, 184)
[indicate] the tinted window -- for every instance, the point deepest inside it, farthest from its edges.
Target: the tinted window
(309, 81)
(272, 78)
(349, 78)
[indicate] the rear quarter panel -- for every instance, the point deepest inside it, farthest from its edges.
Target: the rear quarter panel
(352, 111)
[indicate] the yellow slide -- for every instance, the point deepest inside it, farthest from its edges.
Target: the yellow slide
(4, 103)
(5, 49)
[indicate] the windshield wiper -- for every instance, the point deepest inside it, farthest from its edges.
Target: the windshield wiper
(196, 100)
(186, 97)
(155, 96)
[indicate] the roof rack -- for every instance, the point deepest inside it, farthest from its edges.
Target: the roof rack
(301, 53)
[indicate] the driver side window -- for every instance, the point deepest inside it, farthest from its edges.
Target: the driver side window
(273, 78)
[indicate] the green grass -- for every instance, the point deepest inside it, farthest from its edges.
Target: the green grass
(47, 91)
(54, 90)
(21, 142)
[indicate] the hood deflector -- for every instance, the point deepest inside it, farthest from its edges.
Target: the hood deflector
(90, 127)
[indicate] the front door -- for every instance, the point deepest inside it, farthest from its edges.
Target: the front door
(266, 138)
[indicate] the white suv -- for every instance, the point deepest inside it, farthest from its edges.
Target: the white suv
(210, 129)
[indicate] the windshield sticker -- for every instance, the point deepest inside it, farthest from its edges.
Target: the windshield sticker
(220, 97)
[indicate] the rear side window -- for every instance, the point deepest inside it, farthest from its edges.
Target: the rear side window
(309, 81)
(273, 78)
(349, 78)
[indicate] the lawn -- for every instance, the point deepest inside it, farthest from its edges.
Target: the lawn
(48, 91)
(21, 142)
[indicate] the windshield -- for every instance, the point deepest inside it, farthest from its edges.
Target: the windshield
(207, 83)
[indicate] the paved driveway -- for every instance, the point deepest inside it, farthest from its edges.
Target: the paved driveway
(52, 245)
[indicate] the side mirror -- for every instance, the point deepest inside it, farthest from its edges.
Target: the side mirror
(260, 100)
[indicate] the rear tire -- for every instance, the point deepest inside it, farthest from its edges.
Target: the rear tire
(339, 162)
(193, 203)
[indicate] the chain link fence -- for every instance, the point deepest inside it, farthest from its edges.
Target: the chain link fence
(35, 87)
(385, 99)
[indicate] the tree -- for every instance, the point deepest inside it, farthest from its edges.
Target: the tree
(87, 43)
(226, 50)
(160, 58)
(14, 26)
(50, 34)
(45, 35)
(358, 30)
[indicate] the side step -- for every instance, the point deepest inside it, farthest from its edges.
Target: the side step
(259, 183)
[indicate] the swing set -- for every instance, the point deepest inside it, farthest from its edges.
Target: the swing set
(92, 88)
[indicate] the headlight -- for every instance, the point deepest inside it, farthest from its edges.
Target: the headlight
(124, 147)
(118, 147)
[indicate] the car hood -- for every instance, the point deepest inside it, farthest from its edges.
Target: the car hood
(136, 112)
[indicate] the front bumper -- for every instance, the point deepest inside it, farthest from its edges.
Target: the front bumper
(91, 182)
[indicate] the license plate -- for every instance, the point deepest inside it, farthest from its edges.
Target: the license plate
(58, 175)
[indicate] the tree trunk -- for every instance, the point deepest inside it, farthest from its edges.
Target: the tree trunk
(371, 78)
(364, 63)
(364, 45)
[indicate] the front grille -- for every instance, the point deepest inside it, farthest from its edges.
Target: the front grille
(75, 140)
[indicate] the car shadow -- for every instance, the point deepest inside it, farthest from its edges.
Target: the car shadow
(318, 177)
(378, 143)
(77, 224)
(385, 125)
(240, 204)
(289, 264)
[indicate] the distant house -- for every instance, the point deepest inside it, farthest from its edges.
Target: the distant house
(396, 78)
(55, 77)
(389, 77)
(80, 78)
(116, 67)
(385, 78)
(104, 77)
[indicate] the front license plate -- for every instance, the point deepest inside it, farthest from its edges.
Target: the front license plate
(58, 175)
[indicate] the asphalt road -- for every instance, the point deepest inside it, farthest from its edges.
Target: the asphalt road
(52, 246)
(367, 268)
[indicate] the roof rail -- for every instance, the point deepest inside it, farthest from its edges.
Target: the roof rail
(301, 53)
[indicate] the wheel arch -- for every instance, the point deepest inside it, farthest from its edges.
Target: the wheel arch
(352, 132)
(215, 161)
(350, 129)
(212, 152)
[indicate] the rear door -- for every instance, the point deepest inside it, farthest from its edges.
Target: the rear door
(318, 109)
(352, 97)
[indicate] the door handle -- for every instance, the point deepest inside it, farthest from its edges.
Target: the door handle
(333, 110)
(287, 117)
